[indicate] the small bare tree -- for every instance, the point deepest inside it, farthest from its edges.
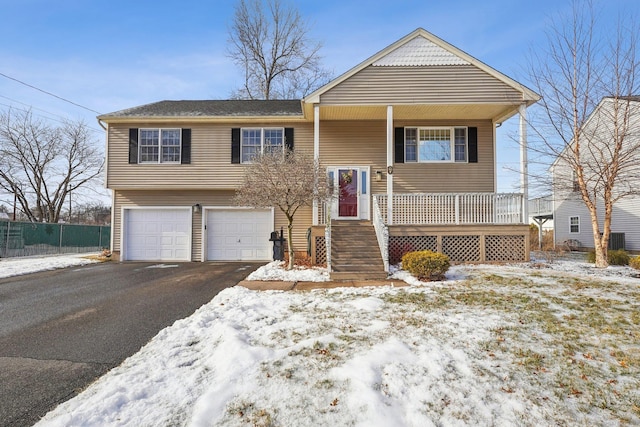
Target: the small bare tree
(271, 45)
(286, 182)
(41, 164)
(588, 79)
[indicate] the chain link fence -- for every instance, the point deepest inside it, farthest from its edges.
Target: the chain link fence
(30, 238)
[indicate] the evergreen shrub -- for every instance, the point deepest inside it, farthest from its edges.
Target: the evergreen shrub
(426, 265)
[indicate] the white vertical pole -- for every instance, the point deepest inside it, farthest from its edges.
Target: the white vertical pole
(457, 208)
(316, 154)
(524, 166)
(316, 132)
(389, 164)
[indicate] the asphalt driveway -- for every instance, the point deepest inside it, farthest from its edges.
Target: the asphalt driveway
(62, 329)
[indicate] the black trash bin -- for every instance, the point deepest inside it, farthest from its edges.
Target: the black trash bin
(278, 245)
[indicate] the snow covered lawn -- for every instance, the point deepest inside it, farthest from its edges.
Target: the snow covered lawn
(525, 345)
(16, 266)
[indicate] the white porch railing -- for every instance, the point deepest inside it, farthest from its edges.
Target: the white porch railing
(382, 233)
(324, 211)
(541, 206)
(453, 208)
(325, 219)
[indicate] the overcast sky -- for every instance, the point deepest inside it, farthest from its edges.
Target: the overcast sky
(110, 55)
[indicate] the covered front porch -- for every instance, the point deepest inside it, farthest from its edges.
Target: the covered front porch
(467, 227)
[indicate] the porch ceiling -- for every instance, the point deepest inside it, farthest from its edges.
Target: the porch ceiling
(496, 112)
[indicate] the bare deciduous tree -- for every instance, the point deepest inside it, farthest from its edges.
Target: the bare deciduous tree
(271, 45)
(286, 182)
(588, 77)
(41, 164)
(91, 213)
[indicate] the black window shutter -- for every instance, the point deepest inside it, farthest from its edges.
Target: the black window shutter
(235, 145)
(399, 145)
(288, 138)
(185, 152)
(473, 145)
(133, 146)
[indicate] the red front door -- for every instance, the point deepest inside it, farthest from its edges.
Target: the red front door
(348, 197)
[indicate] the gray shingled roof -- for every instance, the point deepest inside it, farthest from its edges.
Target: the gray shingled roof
(212, 108)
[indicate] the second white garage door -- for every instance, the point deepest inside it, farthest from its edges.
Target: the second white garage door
(239, 235)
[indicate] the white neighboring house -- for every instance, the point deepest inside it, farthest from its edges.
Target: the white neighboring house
(572, 221)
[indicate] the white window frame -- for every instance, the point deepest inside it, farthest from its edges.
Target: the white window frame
(262, 138)
(574, 181)
(160, 146)
(571, 224)
(452, 144)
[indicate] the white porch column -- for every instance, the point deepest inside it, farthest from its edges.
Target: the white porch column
(524, 164)
(390, 165)
(316, 154)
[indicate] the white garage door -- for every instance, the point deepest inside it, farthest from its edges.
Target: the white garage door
(239, 235)
(157, 234)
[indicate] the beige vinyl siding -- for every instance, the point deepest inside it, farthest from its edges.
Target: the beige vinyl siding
(210, 167)
(355, 143)
(427, 85)
(162, 198)
(345, 143)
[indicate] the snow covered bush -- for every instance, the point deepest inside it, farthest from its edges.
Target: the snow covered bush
(426, 265)
(635, 262)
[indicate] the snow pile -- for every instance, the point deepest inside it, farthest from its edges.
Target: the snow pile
(18, 266)
(276, 271)
(440, 353)
(312, 358)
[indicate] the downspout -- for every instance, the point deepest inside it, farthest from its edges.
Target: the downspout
(106, 153)
(106, 185)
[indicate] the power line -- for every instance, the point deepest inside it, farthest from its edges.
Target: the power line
(31, 107)
(49, 93)
(48, 118)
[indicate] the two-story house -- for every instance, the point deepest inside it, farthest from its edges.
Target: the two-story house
(407, 137)
(572, 219)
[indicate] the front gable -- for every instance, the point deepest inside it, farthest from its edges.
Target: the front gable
(425, 76)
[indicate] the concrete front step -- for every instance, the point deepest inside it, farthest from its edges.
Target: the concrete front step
(370, 253)
(347, 275)
(350, 244)
(366, 259)
(356, 261)
(357, 267)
